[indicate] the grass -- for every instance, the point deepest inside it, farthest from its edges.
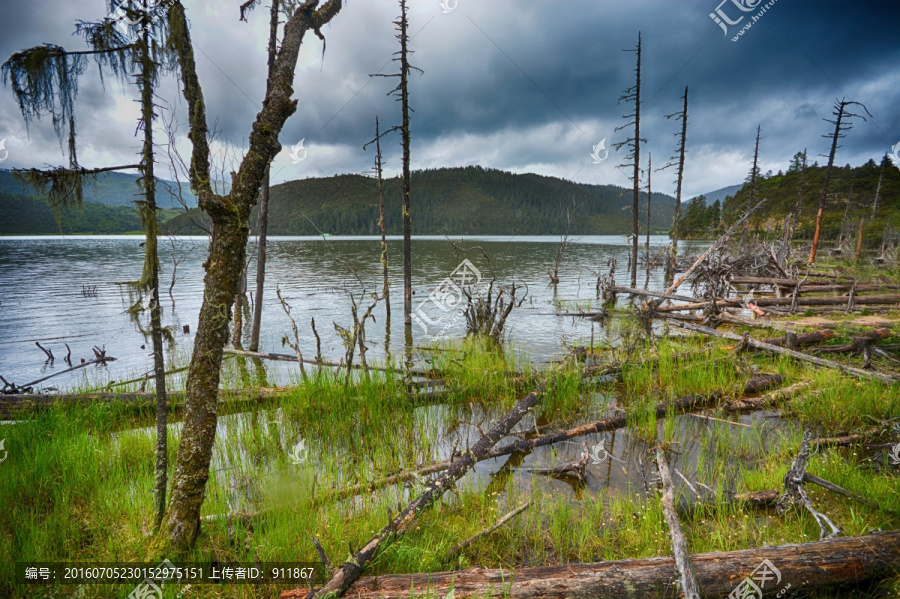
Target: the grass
(77, 485)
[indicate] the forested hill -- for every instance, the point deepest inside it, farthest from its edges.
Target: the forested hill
(851, 196)
(459, 201)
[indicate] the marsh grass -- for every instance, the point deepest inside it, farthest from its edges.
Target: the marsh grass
(77, 485)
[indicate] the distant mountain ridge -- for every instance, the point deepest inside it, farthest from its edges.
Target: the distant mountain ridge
(466, 200)
(722, 193)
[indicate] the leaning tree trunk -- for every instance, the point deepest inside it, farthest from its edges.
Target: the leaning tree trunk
(263, 217)
(824, 196)
(230, 230)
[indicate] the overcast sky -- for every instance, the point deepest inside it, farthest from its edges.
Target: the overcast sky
(524, 86)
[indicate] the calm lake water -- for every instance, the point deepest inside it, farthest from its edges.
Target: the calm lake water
(58, 290)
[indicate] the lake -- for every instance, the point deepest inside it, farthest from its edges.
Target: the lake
(70, 290)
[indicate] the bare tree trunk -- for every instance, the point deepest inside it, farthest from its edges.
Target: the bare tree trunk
(649, 201)
(678, 186)
(752, 195)
(228, 245)
(635, 226)
(385, 292)
(840, 107)
(264, 198)
(859, 240)
(159, 365)
(407, 219)
(240, 297)
(878, 190)
(801, 187)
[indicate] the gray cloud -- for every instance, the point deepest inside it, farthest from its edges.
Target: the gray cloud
(526, 86)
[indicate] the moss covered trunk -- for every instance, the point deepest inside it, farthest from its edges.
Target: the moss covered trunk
(227, 251)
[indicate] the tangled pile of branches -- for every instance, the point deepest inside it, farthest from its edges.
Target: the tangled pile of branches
(486, 313)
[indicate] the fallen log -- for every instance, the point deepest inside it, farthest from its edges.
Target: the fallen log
(290, 358)
(860, 344)
(751, 342)
(679, 544)
(688, 403)
(848, 439)
(10, 405)
(800, 340)
(814, 566)
(657, 294)
(786, 301)
(344, 576)
(750, 404)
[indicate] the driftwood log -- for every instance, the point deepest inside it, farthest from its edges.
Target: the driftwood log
(848, 561)
(886, 378)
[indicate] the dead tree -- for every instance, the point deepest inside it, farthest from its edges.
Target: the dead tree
(801, 187)
(229, 215)
(795, 494)
(751, 179)
(878, 189)
(295, 344)
(840, 113)
(403, 90)
(563, 242)
(633, 94)
(649, 200)
(683, 117)
(263, 216)
(381, 223)
(45, 79)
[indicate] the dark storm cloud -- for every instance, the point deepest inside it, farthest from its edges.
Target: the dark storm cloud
(524, 86)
